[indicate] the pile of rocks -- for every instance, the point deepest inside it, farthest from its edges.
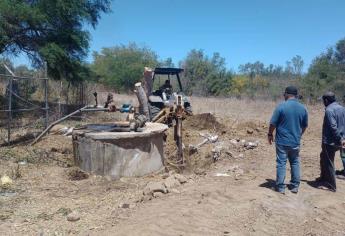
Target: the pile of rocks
(168, 185)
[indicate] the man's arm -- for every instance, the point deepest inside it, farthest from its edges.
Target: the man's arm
(305, 122)
(330, 116)
(270, 133)
(273, 124)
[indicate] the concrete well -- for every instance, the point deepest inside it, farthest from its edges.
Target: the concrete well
(119, 154)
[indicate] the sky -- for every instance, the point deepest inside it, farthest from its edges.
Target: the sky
(271, 31)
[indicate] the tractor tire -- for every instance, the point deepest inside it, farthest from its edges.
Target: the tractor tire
(154, 110)
(188, 108)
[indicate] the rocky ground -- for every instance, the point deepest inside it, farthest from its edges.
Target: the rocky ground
(226, 188)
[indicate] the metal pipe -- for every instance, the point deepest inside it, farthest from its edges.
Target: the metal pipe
(83, 109)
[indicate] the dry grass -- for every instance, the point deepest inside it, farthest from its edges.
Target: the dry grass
(234, 108)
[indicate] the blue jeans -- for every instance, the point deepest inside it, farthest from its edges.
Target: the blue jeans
(285, 153)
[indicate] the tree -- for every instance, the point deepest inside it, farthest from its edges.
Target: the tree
(297, 65)
(204, 75)
(50, 31)
(340, 51)
(167, 63)
(327, 71)
(122, 66)
(252, 69)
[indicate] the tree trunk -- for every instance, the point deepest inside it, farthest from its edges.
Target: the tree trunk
(142, 98)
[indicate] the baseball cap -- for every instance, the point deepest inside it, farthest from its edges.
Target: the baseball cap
(292, 90)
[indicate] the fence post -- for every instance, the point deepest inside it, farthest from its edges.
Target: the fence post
(46, 94)
(9, 110)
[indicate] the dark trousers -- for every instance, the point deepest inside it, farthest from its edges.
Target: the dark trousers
(327, 165)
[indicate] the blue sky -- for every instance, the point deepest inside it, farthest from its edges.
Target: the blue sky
(271, 31)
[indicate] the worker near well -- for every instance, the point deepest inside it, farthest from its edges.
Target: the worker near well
(290, 120)
(333, 135)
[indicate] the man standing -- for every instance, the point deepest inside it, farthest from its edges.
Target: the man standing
(333, 134)
(290, 119)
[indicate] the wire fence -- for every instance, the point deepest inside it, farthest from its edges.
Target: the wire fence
(29, 103)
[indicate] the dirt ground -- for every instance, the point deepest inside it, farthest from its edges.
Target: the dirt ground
(232, 195)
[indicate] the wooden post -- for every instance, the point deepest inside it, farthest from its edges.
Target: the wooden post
(10, 89)
(178, 130)
(46, 95)
(143, 100)
(148, 81)
(9, 110)
(59, 103)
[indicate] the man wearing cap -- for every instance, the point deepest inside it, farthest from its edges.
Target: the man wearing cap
(290, 120)
(333, 135)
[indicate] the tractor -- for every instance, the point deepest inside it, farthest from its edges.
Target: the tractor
(164, 98)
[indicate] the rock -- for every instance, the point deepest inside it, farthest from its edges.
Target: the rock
(250, 131)
(229, 154)
(182, 179)
(174, 190)
(165, 175)
(158, 194)
(171, 182)
(73, 216)
(6, 181)
(233, 168)
(126, 205)
(221, 175)
(234, 142)
(146, 198)
(216, 152)
(239, 171)
(153, 187)
(251, 145)
(241, 155)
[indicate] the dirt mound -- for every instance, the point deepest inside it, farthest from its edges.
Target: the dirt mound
(203, 121)
(193, 128)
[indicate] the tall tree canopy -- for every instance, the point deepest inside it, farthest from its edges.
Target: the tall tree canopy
(204, 75)
(327, 71)
(51, 31)
(121, 67)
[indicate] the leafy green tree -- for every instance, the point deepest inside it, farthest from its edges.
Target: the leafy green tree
(327, 72)
(204, 75)
(297, 65)
(167, 63)
(340, 51)
(50, 31)
(121, 67)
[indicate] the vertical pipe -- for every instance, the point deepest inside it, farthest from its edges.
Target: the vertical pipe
(46, 94)
(9, 110)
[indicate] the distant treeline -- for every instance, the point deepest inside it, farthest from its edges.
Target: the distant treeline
(120, 67)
